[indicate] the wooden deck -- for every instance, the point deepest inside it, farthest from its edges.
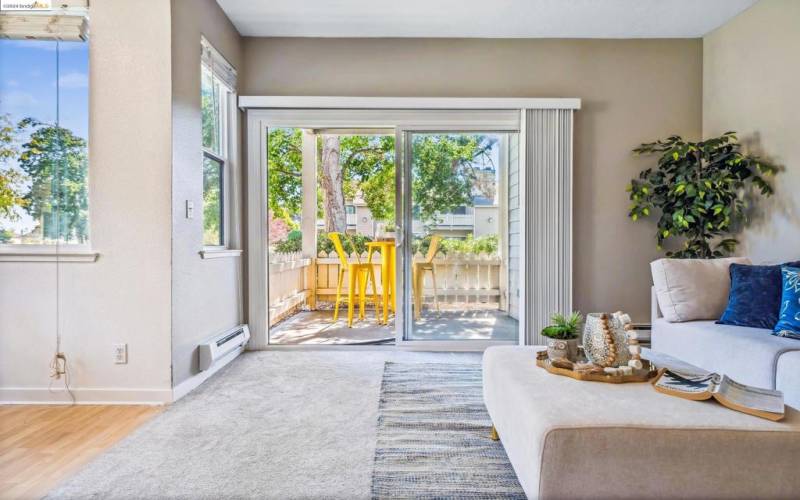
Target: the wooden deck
(471, 322)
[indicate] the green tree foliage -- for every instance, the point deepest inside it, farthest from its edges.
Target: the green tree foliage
(368, 166)
(285, 159)
(11, 180)
(55, 161)
(212, 205)
(700, 190)
(444, 172)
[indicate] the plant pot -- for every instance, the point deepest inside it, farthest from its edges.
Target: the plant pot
(562, 348)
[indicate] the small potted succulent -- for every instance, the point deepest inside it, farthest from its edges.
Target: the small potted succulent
(563, 336)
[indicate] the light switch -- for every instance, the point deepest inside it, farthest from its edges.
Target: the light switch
(189, 209)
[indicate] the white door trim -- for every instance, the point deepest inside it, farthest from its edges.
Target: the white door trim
(421, 103)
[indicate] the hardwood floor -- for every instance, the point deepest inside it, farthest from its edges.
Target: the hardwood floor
(41, 445)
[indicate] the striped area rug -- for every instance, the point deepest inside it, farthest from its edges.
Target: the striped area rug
(433, 436)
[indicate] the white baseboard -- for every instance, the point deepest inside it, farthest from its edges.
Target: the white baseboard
(84, 396)
(193, 382)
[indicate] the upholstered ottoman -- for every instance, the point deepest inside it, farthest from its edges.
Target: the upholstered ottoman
(572, 439)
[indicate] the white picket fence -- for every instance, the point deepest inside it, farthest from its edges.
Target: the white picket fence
(460, 278)
(288, 284)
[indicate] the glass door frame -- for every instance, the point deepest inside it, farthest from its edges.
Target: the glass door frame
(403, 115)
(404, 298)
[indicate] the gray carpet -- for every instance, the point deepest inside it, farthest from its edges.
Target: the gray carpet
(433, 437)
(273, 424)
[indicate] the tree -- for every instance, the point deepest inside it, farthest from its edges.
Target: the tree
(285, 172)
(700, 189)
(55, 160)
(368, 169)
(444, 171)
(445, 174)
(332, 183)
(11, 180)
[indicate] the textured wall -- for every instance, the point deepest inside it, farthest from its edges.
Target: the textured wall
(751, 77)
(125, 295)
(205, 293)
(632, 91)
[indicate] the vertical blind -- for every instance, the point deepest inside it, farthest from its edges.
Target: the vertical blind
(548, 221)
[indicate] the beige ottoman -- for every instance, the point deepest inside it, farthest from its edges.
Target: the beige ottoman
(572, 439)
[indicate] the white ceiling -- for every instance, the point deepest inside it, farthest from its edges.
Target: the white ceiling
(482, 18)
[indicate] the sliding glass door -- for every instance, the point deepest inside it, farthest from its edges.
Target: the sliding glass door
(461, 236)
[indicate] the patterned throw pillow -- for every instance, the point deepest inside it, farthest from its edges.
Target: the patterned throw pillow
(789, 319)
(755, 296)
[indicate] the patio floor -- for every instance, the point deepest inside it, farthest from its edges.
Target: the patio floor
(470, 322)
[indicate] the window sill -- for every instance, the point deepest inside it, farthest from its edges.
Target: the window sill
(221, 253)
(40, 256)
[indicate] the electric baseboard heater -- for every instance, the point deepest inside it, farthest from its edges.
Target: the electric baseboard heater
(221, 345)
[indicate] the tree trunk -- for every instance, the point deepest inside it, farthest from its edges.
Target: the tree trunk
(332, 185)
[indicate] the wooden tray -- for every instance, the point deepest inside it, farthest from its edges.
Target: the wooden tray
(643, 375)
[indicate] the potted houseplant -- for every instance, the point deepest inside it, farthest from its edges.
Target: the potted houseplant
(699, 192)
(563, 335)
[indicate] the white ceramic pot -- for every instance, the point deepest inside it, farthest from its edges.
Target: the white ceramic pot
(562, 348)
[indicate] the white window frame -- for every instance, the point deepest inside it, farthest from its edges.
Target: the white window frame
(54, 252)
(225, 75)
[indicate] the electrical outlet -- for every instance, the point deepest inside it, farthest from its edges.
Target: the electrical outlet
(120, 354)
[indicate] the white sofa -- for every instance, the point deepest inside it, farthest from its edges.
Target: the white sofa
(751, 356)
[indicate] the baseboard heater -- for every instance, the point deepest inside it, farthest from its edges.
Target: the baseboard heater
(220, 345)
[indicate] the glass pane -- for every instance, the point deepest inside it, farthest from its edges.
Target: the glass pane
(210, 108)
(460, 286)
(213, 214)
(44, 133)
(285, 197)
(349, 189)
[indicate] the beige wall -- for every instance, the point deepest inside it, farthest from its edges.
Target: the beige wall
(632, 91)
(206, 293)
(124, 297)
(751, 84)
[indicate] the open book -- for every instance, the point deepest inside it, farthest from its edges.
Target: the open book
(763, 403)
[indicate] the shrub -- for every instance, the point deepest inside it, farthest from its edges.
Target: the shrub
(324, 243)
(292, 243)
(484, 244)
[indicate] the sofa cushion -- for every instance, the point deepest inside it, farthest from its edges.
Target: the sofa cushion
(693, 289)
(747, 355)
(787, 378)
(755, 296)
(789, 320)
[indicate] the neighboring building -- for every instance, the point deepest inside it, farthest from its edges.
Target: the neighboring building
(481, 219)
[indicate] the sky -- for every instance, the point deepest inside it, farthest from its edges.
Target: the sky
(30, 83)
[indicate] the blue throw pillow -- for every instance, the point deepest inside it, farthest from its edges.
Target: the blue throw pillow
(755, 296)
(789, 319)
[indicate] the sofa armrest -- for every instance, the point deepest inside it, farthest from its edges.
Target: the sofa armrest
(655, 312)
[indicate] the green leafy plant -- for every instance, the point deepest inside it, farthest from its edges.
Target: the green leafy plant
(292, 243)
(487, 244)
(324, 243)
(564, 327)
(700, 190)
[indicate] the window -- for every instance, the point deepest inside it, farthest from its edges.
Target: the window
(217, 84)
(44, 132)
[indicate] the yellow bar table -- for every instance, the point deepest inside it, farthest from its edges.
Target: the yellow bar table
(387, 250)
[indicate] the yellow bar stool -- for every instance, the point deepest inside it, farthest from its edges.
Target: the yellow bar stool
(418, 276)
(386, 249)
(361, 275)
